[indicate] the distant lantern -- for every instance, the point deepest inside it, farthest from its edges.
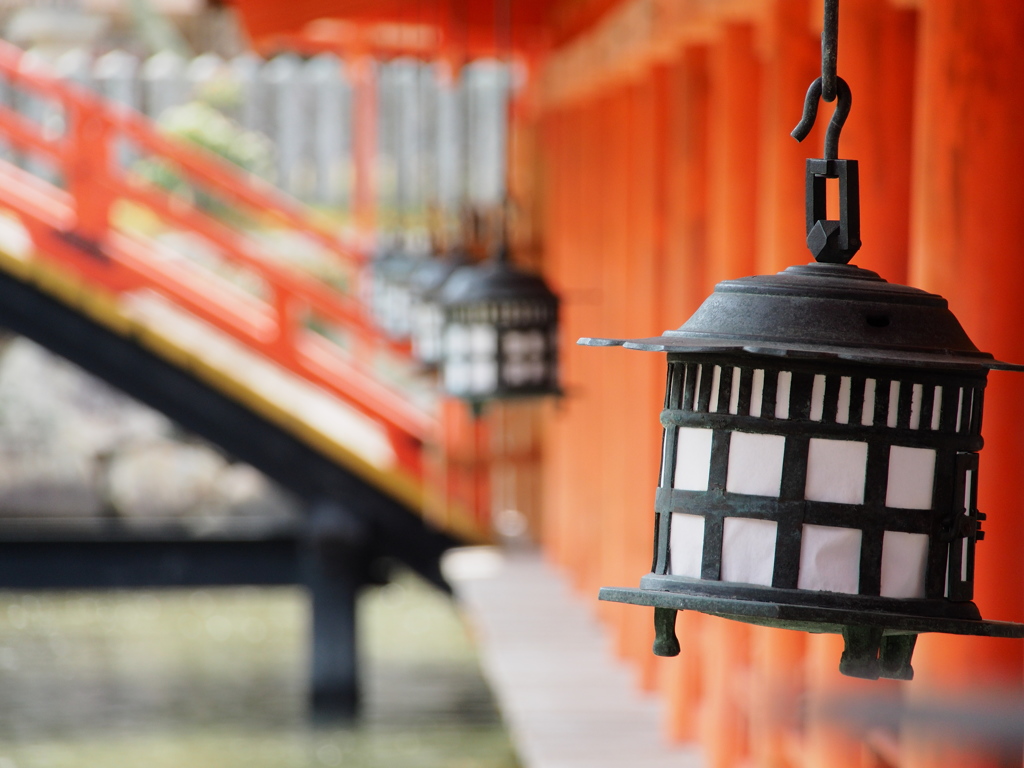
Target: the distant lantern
(500, 333)
(820, 454)
(426, 284)
(391, 298)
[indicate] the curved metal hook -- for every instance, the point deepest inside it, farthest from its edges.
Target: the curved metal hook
(835, 126)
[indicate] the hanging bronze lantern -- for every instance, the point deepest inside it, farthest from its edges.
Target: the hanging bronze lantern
(500, 333)
(820, 453)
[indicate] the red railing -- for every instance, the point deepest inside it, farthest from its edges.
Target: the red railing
(73, 226)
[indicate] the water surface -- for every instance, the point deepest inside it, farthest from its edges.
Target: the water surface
(217, 679)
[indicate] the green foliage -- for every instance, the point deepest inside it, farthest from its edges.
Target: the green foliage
(200, 124)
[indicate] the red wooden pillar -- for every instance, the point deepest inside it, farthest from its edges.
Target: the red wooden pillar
(685, 257)
(969, 159)
(644, 373)
(791, 61)
(733, 189)
(877, 49)
(559, 149)
(587, 426)
(732, 181)
(687, 185)
(616, 380)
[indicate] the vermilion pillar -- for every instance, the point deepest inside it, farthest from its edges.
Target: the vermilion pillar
(683, 290)
(877, 48)
(735, 111)
(969, 161)
(644, 374)
(733, 193)
(791, 60)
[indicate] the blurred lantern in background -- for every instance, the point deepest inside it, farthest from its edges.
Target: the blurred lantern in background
(500, 333)
(392, 276)
(820, 451)
(426, 284)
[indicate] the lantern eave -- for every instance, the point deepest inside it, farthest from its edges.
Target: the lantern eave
(676, 342)
(808, 618)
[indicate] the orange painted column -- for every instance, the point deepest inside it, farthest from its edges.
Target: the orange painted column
(876, 57)
(683, 289)
(686, 186)
(588, 429)
(559, 158)
(966, 245)
(616, 384)
(791, 61)
(733, 195)
(733, 188)
(644, 372)
(877, 50)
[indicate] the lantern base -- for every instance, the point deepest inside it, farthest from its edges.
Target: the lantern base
(878, 644)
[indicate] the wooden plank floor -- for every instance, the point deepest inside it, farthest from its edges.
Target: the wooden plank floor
(568, 702)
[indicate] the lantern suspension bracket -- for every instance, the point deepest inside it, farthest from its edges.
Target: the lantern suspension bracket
(830, 241)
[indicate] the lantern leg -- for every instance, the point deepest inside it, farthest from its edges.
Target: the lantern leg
(665, 641)
(896, 653)
(860, 657)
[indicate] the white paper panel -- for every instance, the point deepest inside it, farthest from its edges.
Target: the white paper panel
(748, 550)
(894, 403)
(867, 414)
(693, 459)
(716, 385)
(755, 464)
(456, 340)
(734, 394)
(836, 471)
(457, 376)
(959, 408)
(945, 591)
(782, 394)
(483, 375)
(916, 394)
(937, 408)
(756, 392)
(911, 477)
(686, 545)
(830, 559)
(904, 558)
(818, 398)
(696, 386)
(968, 486)
(483, 339)
(843, 407)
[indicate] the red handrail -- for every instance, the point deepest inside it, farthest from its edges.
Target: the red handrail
(73, 228)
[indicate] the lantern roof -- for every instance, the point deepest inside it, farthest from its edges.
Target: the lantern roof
(821, 310)
(495, 280)
(431, 274)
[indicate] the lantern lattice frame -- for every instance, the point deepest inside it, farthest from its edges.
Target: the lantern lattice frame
(836, 387)
(500, 333)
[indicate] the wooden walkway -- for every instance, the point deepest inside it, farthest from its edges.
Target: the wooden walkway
(568, 702)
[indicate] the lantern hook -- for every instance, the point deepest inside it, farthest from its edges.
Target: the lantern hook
(835, 126)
